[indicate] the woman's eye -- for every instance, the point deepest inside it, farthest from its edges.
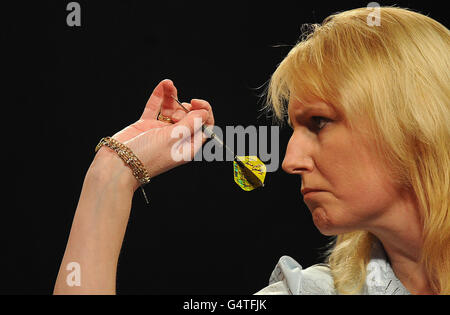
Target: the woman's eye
(319, 122)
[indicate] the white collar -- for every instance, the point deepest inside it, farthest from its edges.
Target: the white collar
(381, 279)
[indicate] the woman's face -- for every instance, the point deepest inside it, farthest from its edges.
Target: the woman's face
(356, 190)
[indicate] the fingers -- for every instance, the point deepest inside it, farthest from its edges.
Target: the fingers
(169, 106)
(162, 101)
(193, 120)
(161, 96)
(196, 105)
(180, 113)
(192, 137)
(202, 104)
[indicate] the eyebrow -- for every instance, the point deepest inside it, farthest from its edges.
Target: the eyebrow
(303, 113)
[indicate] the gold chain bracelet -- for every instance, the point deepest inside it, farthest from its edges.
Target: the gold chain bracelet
(138, 169)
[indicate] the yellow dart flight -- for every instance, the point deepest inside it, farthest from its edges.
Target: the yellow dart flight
(249, 172)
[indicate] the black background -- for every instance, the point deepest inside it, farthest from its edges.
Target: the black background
(72, 86)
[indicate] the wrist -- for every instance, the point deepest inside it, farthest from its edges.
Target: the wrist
(108, 167)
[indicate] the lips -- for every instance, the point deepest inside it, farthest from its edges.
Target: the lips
(308, 190)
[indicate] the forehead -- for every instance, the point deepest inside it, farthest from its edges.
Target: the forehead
(299, 108)
(297, 104)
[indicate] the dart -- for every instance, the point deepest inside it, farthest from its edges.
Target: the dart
(249, 171)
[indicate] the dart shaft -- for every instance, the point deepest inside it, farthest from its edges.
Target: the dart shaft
(212, 135)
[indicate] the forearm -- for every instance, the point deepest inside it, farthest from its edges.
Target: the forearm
(98, 228)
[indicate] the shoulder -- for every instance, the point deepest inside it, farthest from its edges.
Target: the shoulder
(289, 277)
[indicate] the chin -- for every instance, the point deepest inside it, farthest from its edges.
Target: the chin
(323, 223)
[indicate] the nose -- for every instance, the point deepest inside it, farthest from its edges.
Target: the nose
(298, 156)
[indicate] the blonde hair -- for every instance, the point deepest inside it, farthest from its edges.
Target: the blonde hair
(395, 75)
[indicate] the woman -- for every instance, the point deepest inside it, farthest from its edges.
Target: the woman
(369, 109)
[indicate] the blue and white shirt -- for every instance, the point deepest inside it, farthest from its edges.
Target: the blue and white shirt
(290, 278)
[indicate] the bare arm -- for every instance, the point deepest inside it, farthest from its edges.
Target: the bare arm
(104, 206)
(98, 227)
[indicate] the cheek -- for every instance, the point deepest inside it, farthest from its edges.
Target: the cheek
(354, 175)
(368, 187)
